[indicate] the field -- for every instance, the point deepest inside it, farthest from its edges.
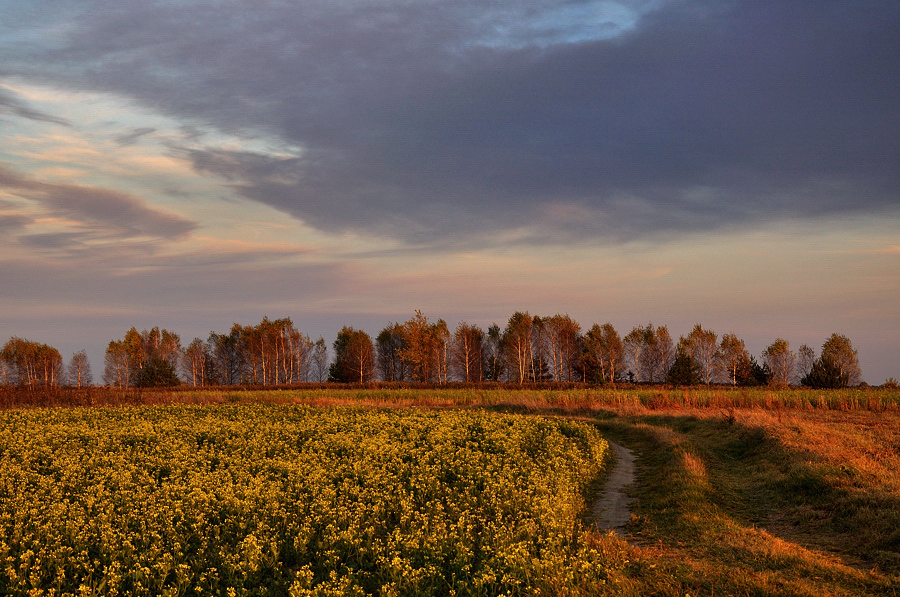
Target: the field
(467, 491)
(256, 499)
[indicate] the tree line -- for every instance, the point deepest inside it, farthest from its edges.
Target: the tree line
(528, 349)
(270, 353)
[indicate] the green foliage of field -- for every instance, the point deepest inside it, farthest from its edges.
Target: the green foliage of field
(288, 500)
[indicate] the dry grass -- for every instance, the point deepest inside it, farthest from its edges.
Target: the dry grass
(750, 501)
(561, 397)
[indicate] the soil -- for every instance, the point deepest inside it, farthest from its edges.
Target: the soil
(611, 510)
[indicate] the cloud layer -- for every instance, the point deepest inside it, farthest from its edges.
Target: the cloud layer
(430, 121)
(94, 212)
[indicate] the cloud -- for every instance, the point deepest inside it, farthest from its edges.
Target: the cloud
(432, 121)
(13, 222)
(131, 137)
(11, 104)
(120, 214)
(52, 240)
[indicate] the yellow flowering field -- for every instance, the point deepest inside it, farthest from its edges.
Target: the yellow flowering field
(291, 500)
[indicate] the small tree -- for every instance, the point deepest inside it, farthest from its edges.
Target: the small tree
(319, 361)
(751, 373)
(354, 357)
(518, 344)
(156, 372)
(29, 363)
(806, 358)
(685, 371)
(604, 347)
(701, 346)
(659, 355)
(837, 367)
(780, 360)
(117, 365)
(840, 352)
(634, 347)
(195, 362)
(825, 374)
(732, 357)
(467, 352)
(126, 359)
(228, 356)
(588, 367)
(564, 342)
(79, 372)
(494, 363)
(389, 345)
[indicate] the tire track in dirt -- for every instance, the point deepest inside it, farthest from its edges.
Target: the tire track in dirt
(611, 510)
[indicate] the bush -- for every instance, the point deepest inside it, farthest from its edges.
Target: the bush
(156, 373)
(825, 374)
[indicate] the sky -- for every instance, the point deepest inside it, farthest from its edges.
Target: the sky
(189, 164)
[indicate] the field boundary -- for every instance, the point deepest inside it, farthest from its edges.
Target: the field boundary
(561, 397)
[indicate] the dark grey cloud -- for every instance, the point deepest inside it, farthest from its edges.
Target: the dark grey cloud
(111, 212)
(13, 222)
(52, 240)
(432, 120)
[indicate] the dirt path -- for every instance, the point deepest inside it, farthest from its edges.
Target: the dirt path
(611, 508)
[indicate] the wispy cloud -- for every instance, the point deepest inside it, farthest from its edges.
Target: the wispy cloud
(130, 137)
(11, 104)
(122, 214)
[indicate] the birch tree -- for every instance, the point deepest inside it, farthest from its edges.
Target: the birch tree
(806, 358)
(418, 348)
(659, 355)
(701, 345)
(389, 345)
(228, 356)
(319, 361)
(30, 363)
(117, 364)
(195, 363)
(518, 344)
(79, 371)
(565, 342)
(733, 358)
(780, 360)
(634, 346)
(605, 347)
(467, 353)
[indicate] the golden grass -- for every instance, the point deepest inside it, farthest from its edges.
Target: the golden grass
(749, 501)
(565, 398)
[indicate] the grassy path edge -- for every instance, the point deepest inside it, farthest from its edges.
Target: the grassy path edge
(690, 515)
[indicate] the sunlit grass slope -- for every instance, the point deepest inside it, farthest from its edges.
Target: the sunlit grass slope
(754, 502)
